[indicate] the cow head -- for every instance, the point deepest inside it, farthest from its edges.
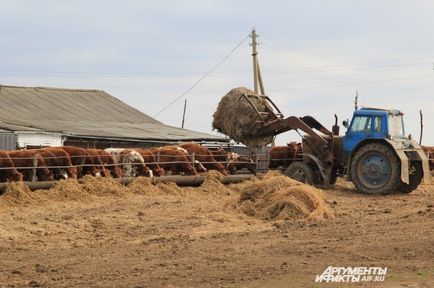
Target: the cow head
(16, 176)
(45, 175)
(116, 172)
(221, 168)
(61, 175)
(189, 170)
(199, 167)
(158, 171)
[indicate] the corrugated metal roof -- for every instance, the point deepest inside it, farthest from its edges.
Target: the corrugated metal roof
(79, 112)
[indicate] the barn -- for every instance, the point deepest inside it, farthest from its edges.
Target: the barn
(32, 117)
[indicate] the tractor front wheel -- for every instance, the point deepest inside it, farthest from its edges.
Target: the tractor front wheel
(375, 169)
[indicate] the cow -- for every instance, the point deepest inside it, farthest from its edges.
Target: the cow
(196, 163)
(52, 165)
(7, 169)
(174, 159)
(429, 151)
(109, 163)
(282, 156)
(93, 154)
(131, 161)
(63, 161)
(150, 161)
(237, 162)
(82, 161)
(24, 162)
(204, 156)
(220, 155)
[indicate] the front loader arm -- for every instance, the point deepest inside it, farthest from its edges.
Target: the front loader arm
(279, 126)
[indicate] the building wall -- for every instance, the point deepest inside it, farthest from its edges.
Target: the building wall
(31, 140)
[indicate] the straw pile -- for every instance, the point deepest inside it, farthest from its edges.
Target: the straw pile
(234, 117)
(270, 197)
(281, 198)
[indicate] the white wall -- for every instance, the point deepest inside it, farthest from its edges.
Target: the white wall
(38, 139)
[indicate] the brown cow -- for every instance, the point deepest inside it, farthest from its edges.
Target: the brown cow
(237, 162)
(174, 159)
(63, 161)
(108, 162)
(150, 161)
(204, 156)
(282, 156)
(97, 162)
(23, 161)
(7, 169)
(80, 159)
(429, 151)
(52, 165)
(220, 155)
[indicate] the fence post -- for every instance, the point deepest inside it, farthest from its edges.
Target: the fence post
(35, 166)
(193, 157)
(158, 157)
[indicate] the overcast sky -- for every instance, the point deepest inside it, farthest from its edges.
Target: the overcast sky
(314, 55)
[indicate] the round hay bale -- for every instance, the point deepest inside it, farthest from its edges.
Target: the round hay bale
(234, 117)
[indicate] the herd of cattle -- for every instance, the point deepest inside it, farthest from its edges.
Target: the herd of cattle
(54, 163)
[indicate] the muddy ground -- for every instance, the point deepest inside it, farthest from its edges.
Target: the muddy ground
(193, 238)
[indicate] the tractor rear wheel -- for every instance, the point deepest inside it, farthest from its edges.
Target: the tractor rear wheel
(415, 177)
(301, 172)
(375, 169)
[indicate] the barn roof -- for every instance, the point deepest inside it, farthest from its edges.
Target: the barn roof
(83, 113)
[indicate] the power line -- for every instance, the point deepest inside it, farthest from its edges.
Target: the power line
(203, 77)
(353, 84)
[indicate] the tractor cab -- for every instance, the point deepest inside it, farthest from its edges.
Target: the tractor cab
(373, 124)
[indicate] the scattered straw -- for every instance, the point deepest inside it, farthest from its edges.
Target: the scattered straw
(213, 184)
(102, 186)
(270, 197)
(142, 185)
(280, 197)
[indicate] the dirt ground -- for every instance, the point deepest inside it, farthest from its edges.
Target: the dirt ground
(192, 237)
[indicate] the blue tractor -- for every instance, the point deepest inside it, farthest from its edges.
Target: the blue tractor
(374, 154)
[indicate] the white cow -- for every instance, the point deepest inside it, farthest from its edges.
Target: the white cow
(131, 162)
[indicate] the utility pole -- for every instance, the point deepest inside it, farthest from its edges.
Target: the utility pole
(257, 78)
(183, 114)
(421, 127)
(356, 106)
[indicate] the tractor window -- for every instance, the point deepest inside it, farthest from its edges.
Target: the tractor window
(396, 127)
(377, 124)
(361, 124)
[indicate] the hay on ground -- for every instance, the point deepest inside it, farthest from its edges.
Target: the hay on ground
(17, 194)
(213, 184)
(102, 186)
(235, 116)
(64, 190)
(142, 185)
(281, 198)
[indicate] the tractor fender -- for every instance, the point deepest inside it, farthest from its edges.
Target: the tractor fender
(405, 175)
(420, 155)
